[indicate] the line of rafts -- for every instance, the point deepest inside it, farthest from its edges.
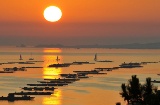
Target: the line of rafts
(68, 64)
(38, 89)
(41, 87)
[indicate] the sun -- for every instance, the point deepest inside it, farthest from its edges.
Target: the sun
(52, 13)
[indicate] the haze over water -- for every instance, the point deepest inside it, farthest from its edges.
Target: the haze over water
(96, 90)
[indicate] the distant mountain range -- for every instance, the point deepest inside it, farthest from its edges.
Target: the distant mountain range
(126, 46)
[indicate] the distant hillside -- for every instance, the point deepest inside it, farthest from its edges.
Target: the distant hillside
(127, 46)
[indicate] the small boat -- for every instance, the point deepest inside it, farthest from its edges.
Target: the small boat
(95, 59)
(57, 59)
(20, 57)
(31, 57)
(11, 97)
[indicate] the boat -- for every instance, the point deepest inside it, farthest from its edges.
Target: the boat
(11, 97)
(20, 57)
(31, 57)
(32, 93)
(39, 88)
(60, 65)
(95, 59)
(130, 65)
(57, 59)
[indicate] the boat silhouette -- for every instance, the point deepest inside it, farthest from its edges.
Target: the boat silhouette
(20, 57)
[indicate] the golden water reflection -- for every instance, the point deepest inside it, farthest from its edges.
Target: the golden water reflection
(55, 99)
(52, 50)
(51, 73)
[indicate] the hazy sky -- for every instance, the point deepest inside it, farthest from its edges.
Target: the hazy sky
(82, 22)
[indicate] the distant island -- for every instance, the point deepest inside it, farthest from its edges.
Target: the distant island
(125, 46)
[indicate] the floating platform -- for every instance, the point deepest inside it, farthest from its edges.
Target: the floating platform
(39, 88)
(89, 72)
(11, 97)
(65, 79)
(33, 67)
(60, 65)
(51, 84)
(32, 93)
(15, 69)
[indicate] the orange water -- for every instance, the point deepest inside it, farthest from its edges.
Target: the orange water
(96, 90)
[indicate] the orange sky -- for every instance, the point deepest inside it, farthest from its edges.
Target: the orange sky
(82, 10)
(86, 17)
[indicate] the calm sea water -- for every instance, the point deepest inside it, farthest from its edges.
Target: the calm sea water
(96, 90)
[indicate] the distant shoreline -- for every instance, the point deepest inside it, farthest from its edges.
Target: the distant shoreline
(125, 46)
(116, 46)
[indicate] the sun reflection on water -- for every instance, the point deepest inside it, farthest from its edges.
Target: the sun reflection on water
(52, 50)
(55, 99)
(51, 73)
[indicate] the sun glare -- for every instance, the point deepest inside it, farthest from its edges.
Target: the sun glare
(52, 13)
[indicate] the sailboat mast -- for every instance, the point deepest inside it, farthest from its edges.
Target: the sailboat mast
(95, 58)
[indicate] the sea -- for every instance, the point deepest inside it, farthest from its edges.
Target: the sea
(98, 89)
